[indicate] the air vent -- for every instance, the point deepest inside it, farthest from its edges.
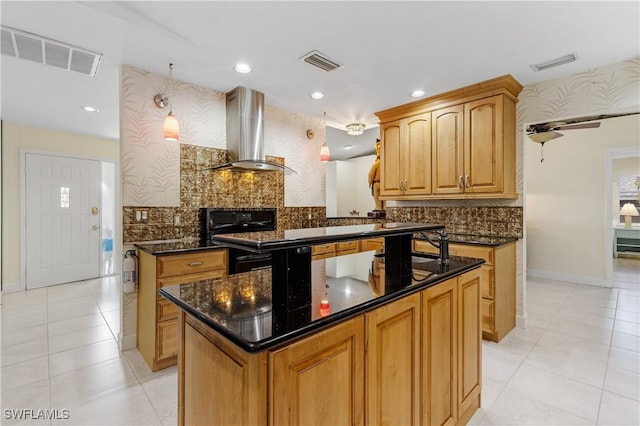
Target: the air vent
(320, 60)
(555, 62)
(32, 47)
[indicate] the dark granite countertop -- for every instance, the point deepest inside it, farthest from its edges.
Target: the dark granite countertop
(239, 306)
(172, 247)
(482, 240)
(293, 238)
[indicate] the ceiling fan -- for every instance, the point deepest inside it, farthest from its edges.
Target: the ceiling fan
(544, 132)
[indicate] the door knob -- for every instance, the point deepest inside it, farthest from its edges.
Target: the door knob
(94, 228)
(94, 211)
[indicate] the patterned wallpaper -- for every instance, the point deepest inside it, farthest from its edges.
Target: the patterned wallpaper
(151, 165)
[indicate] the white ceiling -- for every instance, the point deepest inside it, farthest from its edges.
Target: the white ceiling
(388, 49)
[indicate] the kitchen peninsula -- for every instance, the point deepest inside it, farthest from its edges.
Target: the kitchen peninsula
(398, 340)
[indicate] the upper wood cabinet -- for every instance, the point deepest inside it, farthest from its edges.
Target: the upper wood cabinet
(405, 156)
(461, 146)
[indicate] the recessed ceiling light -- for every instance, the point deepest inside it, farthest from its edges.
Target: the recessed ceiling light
(348, 146)
(417, 93)
(242, 68)
(89, 108)
(317, 95)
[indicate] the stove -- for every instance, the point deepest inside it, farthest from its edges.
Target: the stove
(227, 221)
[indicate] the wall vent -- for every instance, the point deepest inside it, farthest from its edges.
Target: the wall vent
(36, 48)
(320, 60)
(555, 62)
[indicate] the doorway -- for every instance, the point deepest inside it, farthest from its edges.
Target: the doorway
(63, 226)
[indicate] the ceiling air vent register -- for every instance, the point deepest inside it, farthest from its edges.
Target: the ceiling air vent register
(320, 60)
(36, 48)
(571, 57)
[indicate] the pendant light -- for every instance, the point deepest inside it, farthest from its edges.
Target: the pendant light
(325, 154)
(170, 128)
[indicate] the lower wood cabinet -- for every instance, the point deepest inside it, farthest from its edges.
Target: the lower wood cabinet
(413, 361)
(157, 325)
(497, 283)
(320, 380)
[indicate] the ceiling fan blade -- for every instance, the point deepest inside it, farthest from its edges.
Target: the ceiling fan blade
(593, 125)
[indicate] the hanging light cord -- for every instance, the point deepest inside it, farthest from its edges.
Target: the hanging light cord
(170, 88)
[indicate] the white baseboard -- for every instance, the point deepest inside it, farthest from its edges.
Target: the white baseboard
(521, 320)
(12, 287)
(578, 279)
(127, 342)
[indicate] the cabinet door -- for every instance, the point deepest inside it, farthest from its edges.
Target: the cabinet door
(483, 141)
(393, 363)
(447, 150)
(391, 159)
(417, 147)
(320, 379)
(439, 340)
(469, 343)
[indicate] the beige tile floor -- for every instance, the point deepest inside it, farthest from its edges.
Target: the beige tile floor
(576, 363)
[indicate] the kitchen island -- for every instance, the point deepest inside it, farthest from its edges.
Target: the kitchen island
(359, 339)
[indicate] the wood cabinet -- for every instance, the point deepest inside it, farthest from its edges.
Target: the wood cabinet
(157, 332)
(320, 380)
(324, 251)
(474, 148)
(470, 136)
(226, 385)
(372, 244)
(497, 283)
(393, 363)
(405, 156)
(413, 361)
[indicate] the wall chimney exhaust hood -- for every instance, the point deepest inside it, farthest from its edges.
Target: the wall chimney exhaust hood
(245, 133)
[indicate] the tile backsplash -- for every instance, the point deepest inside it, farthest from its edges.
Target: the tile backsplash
(200, 187)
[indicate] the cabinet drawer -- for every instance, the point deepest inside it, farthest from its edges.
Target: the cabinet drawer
(372, 244)
(478, 252)
(323, 249)
(347, 246)
(189, 263)
(167, 339)
(488, 316)
(487, 286)
(166, 310)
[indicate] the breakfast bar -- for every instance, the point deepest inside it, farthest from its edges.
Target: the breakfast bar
(356, 339)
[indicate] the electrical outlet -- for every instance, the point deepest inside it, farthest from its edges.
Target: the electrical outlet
(144, 215)
(138, 215)
(176, 220)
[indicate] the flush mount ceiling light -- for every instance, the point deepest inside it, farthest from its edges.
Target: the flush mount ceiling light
(89, 108)
(170, 128)
(242, 68)
(317, 95)
(355, 129)
(417, 93)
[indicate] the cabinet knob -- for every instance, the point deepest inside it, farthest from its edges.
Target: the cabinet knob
(460, 182)
(467, 182)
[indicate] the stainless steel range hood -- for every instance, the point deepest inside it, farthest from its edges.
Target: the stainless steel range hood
(245, 133)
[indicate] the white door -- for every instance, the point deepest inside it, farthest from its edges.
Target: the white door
(62, 219)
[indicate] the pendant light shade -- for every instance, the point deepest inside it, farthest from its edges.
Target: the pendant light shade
(171, 129)
(325, 154)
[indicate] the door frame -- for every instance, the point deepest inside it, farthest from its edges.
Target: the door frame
(613, 154)
(117, 235)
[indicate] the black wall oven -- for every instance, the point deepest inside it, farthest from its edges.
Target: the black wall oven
(227, 221)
